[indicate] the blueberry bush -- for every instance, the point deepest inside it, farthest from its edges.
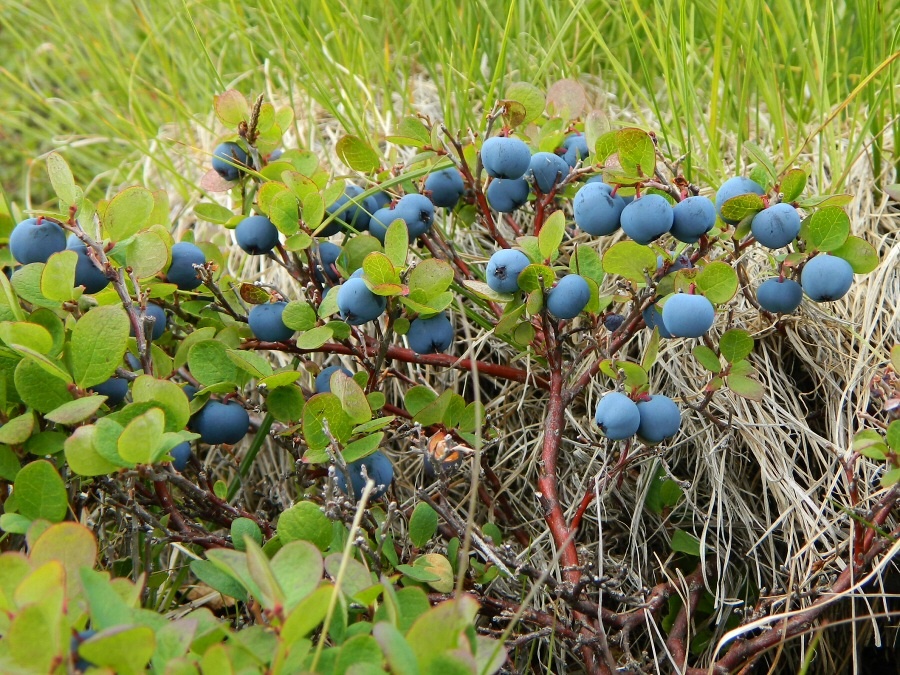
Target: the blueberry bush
(374, 337)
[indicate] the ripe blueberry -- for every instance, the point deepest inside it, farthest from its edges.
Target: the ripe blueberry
(378, 468)
(266, 322)
(224, 158)
(505, 157)
(779, 295)
(86, 272)
(356, 215)
(417, 212)
(596, 210)
(504, 268)
(357, 304)
(688, 315)
(547, 170)
(576, 149)
(734, 187)
(181, 271)
(114, 389)
(446, 187)
(181, 453)
(325, 254)
(430, 336)
(660, 419)
(33, 241)
(159, 323)
(776, 226)
(612, 322)
(569, 297)
(617, 416)
(826, 278)
(653, 318)
(692, 218)
(218, 422)
(507, 195)
(256, 235)
(647, 219)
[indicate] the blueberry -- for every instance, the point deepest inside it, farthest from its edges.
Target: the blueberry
(653, 318)
(679, 263)
(507, 195)
(266, 323)
(692, 218)
(35, 240)
(612, 322)
(190, 391)
(576, 149)
(777, 226)
(826, 278)
(114, 389)
(647, 219)
(325, 254)
(159, 323)
(86, 272)
(224, 156)
(430, 336)
(779, 295)
(547, 170)
(81, 665)
(181, 453)
(446, 187)
(357, 304)
(356, 215)
(688, 315)
(381, 220)
(504, 157)
(378, 468)
(275, 155)
(417, 212)
(617, 416)
(256, 235)
(734, 187)
(596, 210)
(181, 271)
(568, 297)
(660, 419)
(221, 422)
(504, 268)
(381, 199)
(323, 379)
(598, 179)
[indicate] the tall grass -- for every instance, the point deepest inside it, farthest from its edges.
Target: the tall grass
(102, 79)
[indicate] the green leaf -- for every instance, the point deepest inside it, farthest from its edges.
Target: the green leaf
(76, 411)
(432, 277)
(62, 180)
(738, 208)
(396, 243)
(399, 655)
(531, 98)
(308, 615)
(18, 429)
(605, 146)
(629, 260)
(164, 394)
(637, 154)
(352, 397)
(586, 262)
(718, 282)
(410, 132)
(890, 478)
(14, 523)
(707, 358)
(821, 201)
(362, 447)
(147, 253)
(231, 108)
(40, 492)
(682, 542)
(536, 278)
(870, 444)
(320, 409)
(298, 568)
(893, 435)
(861, 255)
(435, 411)
(379, 270)
(9, 463)
(38, 388)
(745, 386)
(98, 344)
(305, 521)
(32, 335)
(422, 524)
(762, 159)
(127, 213)
(735, 344)
(482, 290)
(635, 375)
(251, 362)
(827, 229)
(316, 337)
(356, 154)
(81, 455)
(215, 578)
(440, 630)
(213, 213)
(58, 277)
(551, 235)
(792, 184)
(417, 398)
(299, 316)
(244, 527)
(142, 436)
(209, 363)
(125, 649)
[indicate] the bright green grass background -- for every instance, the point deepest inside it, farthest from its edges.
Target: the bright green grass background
(107, 80)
